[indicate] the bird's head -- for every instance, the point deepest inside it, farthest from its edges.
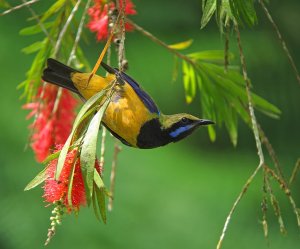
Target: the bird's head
(178, 126)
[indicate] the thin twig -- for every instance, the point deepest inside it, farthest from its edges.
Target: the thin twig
(36, 17)
(250, 102)
(256, 136)
(117, 149)
(264, 208)
(241, 194)
(121, 48)
(72, 54)
(65, 27)
(79, 32)
(295, 172)
(271, 151)
(286, 190)
(282, 41)
(274, 202)
(159, 42)
(18, 7)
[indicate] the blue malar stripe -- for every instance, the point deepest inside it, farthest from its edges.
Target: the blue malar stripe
(180, 130)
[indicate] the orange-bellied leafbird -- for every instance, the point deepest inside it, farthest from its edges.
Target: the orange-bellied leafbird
(131, 116)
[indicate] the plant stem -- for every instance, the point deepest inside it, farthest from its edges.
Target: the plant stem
(18, 7)
(159, 42)
(35, 16)
(295, 172)
(281, 40)
(256, 136)
(117, 149)
(65, 27)
(244, 190)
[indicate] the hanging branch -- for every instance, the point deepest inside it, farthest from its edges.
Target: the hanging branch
(295, 172)
(18, 7)
(280, 38)
(226, 48)
(256, 136)
(35, 16)
(121, 58)
(117, 149)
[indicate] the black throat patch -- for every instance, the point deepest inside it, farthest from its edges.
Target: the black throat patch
(151, 135)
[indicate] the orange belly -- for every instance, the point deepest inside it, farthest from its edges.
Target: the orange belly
(125, 114)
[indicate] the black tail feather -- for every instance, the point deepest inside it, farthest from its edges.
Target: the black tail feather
(59, 74)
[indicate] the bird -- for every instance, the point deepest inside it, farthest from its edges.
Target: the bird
(131, 116)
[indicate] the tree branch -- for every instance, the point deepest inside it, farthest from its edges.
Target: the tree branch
(281, 40)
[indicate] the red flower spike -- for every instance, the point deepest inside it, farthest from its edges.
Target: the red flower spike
(58, 190)
(50, 128)
(99, 17)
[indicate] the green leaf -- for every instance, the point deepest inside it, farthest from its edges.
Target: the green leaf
(35, 29)
(34, 47)
(243, 12)
(189, 81)
(71, 180)
(100, 193)
(181, 45)
(211, 133)
(98, 180)
(88, 150)
(211, 55)
(80, 117)
(53, 9)
(41, 177)
(95, 204)
(208, 11)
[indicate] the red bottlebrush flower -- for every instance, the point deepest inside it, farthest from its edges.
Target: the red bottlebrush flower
(99, 17)
(50, 128)
(58, 190)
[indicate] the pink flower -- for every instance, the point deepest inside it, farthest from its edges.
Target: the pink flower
(99, 17)
(50, 128)
(58, 190)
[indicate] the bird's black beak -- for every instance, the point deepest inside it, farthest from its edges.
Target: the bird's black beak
(205, 122)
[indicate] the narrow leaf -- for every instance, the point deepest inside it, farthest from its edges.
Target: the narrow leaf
(53, 9)
(95, 204)
(88, 150)
(211, 133)
(98, 180)
(35, 29)
(181, 45)
(208, 11)
(33, 47)
(41, 177)
(101, 202)
(70, 186)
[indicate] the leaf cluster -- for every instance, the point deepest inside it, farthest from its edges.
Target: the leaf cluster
(50, 25)
(241, 12)
(222, 92)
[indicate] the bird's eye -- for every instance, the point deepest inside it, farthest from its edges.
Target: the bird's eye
(184, 120)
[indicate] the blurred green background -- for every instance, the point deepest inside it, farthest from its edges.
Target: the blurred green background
(171, 197)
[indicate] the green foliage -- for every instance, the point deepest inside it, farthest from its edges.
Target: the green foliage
(222, 93)
(238, 11)
(4, 4)
(40, 178)
(50, 23)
